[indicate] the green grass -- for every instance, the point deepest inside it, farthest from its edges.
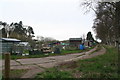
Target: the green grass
(0, 56)
(102, 66)
(0, 74)
(63, 52)
(54, 73)
(16, 73)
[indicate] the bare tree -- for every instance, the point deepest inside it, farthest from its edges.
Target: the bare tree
(106, 24)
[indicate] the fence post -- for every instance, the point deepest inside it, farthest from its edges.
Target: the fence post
(7, 65)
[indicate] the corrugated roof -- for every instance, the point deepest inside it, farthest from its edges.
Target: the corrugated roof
(10, 39)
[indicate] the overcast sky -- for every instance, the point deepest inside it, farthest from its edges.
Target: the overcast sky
(60, 19)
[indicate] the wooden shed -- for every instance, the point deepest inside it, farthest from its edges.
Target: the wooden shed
(75, 42)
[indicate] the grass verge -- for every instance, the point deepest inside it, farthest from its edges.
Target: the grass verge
(54, 73)
(16, 73)
(103, 66)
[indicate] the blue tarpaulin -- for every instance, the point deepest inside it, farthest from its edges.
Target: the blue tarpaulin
(81, 47)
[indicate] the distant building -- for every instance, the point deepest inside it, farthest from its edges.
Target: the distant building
(75, 42)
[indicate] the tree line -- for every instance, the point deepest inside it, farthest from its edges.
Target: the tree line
(23, 33)
(107, 21)
(16, 30)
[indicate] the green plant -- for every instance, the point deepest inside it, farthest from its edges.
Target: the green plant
(54, 73)
(26, 51)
